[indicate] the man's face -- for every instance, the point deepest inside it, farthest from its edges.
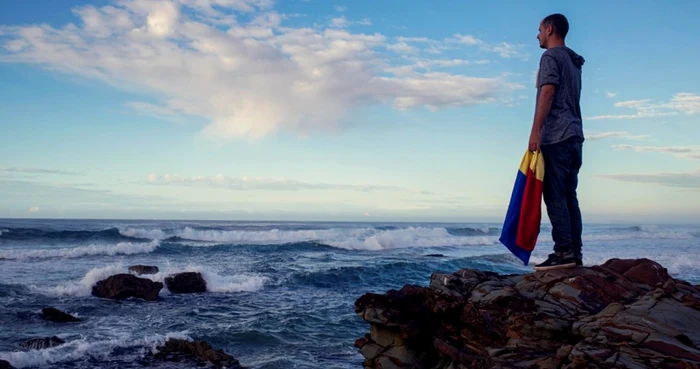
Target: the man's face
(543, 35)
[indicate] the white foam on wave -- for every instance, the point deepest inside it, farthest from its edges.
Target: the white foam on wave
(77, 349)
(639, 235)
(3, 231)
(409, 237)
(82, 287)
(215, 282)
(121, 248)
(154, 234)
(346, 238)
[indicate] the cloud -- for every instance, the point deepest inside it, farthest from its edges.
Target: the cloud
(672, 179)
(504, 49)
(684, 102)
(340, 8)
(339, 22)
(38, 171)
(610, 94)
(247, 77)
(256, 183)
(623, 135)
(687, 152)
(34, 209)
(402, 48)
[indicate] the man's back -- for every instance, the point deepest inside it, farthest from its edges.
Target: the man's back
(561, 67)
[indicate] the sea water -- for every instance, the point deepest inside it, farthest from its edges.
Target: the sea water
(281, 295)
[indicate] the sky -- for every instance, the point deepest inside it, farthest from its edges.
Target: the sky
(335, 110)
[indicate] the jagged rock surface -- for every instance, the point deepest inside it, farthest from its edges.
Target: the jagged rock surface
(4, 364)
(200, 352)
(57, 316)
(188, 282)
(622, 314)
(41, 343)
(122, 286)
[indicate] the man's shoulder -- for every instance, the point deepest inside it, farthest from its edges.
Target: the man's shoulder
(556, 52)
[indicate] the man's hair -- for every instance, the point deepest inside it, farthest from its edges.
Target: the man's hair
(561, 25)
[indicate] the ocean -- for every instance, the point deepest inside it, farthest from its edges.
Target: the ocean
(281, 294)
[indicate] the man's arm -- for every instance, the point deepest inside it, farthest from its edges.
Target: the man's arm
(544, 104)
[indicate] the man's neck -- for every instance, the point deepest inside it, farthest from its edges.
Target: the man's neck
(556, 43)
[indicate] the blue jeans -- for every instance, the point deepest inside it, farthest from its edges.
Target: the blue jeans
(562, 162)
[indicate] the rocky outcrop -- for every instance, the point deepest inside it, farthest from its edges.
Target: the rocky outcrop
(189, 282)
(5, 365)
(143, 269)
(57, 316)
(622, 314)
(41, 343)
(199, 352)
(122, 286)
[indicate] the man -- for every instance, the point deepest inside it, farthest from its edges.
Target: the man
(557, 132)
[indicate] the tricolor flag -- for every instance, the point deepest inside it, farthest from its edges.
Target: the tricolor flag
(522, 224)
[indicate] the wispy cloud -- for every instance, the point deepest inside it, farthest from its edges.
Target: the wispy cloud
(199, 59)
(340, 8)
(672, 179)
(33, 209)
(688, 152)
(610, 94)
(38, 171)
(504, 49)
(617, 134)
(258, 183)
(688, 103)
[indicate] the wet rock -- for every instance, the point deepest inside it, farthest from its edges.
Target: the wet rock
(200, 352)
(5, 365)
(41, 343)
(435, 255)
(122, 286)
(622, 314)
(57, 316)
(143, 269)
(189, 282)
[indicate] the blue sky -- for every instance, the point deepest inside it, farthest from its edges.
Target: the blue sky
(335, 110)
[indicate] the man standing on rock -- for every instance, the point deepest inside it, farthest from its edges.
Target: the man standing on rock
(557, 131)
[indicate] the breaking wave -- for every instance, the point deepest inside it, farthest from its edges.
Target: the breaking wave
(215, 282)
(82, 348)
(121, 248)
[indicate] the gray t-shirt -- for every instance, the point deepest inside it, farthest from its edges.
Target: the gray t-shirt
(561, 66)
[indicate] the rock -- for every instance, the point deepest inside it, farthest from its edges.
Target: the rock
(435, 255)
(189, 282)
(622, 314)
(41, 343)
(5, 365)
(122, 286)
(57, 316)
(143, 269)
(199, 351)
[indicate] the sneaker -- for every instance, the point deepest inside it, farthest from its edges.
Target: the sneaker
(557, 260)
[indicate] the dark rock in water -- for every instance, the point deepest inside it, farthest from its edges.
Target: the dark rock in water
(143, 269)
(622, 314)
(5, 365)
(41, 343)
(200, 351)
(189, 282)
(122, 286)
(435, 255)
(57, 316)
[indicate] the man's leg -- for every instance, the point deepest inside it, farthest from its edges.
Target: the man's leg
(556, 178)
(572, 199)
(557, 162)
